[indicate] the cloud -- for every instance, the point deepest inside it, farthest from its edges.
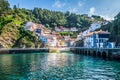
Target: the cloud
(92, 11)
(58, 4)
(76, 8)
(107, 17)
(80, 4)
(73, 10)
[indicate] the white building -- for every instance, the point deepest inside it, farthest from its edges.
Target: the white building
(73, 29)
(97, 39)
(80, 36)
(52, 42)
(30, 26)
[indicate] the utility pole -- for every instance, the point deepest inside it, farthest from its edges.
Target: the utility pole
(18, 5)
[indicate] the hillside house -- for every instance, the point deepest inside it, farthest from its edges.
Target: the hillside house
(96, 39)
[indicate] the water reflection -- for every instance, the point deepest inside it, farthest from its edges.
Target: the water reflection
(56, 66)
(60, 60)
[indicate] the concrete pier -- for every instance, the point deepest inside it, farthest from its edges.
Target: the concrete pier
(22, 50)
(32, 50)
(105, 53)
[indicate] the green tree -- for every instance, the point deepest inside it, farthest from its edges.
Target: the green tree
(4, 5)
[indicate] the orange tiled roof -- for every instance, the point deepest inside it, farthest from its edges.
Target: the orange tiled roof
(97, 32)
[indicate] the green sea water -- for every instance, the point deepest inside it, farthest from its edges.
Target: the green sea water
(56, 66)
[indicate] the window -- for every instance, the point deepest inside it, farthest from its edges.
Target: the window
(96, 41)
(99, 40)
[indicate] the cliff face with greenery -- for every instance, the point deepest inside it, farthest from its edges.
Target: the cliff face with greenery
(114, 28)
(12, 33)
(12, 21)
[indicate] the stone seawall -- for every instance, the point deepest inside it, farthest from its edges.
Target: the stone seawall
(14, 51)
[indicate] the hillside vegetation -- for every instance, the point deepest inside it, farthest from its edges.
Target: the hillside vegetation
(12, 33)
(114, 28)
(12, 22)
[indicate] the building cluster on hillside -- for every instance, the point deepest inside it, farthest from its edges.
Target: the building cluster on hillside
(90, 37)
(63, 29)
(95, 39)
(48, 37)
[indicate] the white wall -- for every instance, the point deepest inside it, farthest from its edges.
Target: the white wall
(88, 42)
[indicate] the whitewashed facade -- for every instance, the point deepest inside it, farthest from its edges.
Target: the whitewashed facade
(97, 39)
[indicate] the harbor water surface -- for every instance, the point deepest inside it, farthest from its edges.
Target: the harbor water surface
(56, 66)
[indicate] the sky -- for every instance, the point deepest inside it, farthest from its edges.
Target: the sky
(105, 8)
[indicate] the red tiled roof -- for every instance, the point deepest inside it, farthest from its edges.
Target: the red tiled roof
(97, 32)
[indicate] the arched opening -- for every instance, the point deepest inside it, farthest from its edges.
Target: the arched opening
(89, 53)
(104, 55)
(98, 54)
(94, 53)
(80, 51)
(109, 55)
(85, 52)
(76, 51)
